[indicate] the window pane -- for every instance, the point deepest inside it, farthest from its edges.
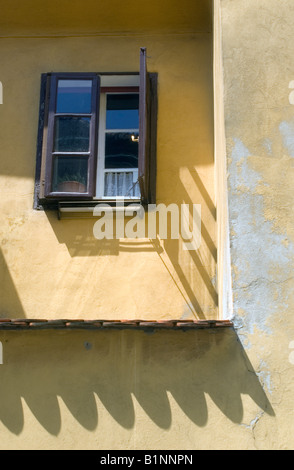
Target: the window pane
(74, 96)
(71, 134)
(70, 174)
(122, 111)
(120, 150)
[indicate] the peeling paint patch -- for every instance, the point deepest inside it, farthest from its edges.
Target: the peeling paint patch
(240, 173)
(261, 272)
(267, 144)
(254, 421)
(287, 131)
(263, 262)
(264, 376)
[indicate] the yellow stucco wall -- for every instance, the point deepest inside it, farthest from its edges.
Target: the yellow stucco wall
(58, 268)
(205, 389)
(54, 268)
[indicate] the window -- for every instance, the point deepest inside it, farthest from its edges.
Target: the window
(118, 149)
(97, 137)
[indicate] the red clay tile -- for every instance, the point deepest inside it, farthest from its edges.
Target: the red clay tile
(105, 323)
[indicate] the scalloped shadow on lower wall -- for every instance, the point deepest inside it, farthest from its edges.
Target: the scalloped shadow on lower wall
(88, 369)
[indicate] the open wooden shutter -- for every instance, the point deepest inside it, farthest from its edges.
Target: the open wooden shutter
(87, 156)
(143, 173)
(147, 132)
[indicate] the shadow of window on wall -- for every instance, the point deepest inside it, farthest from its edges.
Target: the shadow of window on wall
(193, 273)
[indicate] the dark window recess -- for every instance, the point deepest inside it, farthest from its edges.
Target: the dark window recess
(122, 114)
(67, 147)
(120, 151)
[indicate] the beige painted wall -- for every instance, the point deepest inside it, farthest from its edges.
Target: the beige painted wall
(216, 389)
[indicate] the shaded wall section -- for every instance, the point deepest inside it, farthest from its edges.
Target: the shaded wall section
(128, 390)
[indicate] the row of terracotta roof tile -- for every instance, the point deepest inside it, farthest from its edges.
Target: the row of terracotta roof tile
(25, 323)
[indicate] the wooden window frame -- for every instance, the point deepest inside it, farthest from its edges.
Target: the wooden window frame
(91, 154)
(104, 91)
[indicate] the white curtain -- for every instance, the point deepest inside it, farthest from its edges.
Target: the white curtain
(120, 184)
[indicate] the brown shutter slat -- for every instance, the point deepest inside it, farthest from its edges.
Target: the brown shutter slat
(143, 164)
(153, 137)
(147, 132)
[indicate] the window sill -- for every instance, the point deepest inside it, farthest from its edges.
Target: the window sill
(85, 210)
